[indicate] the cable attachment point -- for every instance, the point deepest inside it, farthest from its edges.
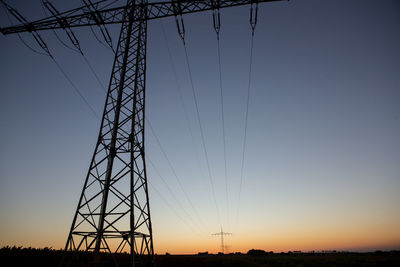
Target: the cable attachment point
(42, 44)
(63, 23)
(29, 28)
(179, 21)
(216, 17)
(253, 16)
(96, 16)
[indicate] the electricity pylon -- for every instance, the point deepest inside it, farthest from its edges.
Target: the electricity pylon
(113, 211)
(222, 233)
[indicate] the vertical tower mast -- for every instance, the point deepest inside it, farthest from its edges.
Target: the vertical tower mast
(113, 210)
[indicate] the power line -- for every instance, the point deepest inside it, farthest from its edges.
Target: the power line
(181, 31)
(98, 39)
(202, 133)
(169, 205)
(29, 47)
(178, 88)
(94, 73)
(217, 28)
(19, 36)
(92, 7)
(174, 172)
(253, 22)
(76, 89)
(77, 47)
(42, 4)
(61, 69)
(171, 192)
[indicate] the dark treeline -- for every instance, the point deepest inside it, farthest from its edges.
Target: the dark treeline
(19, 256)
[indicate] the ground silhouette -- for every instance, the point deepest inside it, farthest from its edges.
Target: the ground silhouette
(46, 257)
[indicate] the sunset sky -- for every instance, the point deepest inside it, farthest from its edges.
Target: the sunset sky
(322, 160)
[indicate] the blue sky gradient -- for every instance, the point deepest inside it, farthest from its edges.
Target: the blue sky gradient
(322, 161)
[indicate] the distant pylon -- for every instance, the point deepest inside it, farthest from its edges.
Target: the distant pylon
(222, 233)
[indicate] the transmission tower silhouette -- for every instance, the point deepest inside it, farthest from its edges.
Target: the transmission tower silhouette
(113, 212)
(222, 233)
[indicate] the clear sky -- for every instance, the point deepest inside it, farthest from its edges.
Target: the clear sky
(322, 161)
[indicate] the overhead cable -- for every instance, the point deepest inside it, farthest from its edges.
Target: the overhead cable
(175, 174)
(54, 31)
(169, 205)
(91, 7)
(20, 37)
(253, 23)
(47, 5)
(22, 20)
(76, 89)
(51, 8)
(181, 31)
(217, 28)
(45, 48)
(172, 194)
(179, 19)
(178, 88)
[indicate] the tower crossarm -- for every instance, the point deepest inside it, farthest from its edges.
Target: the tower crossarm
(222, 233)
(80, 17)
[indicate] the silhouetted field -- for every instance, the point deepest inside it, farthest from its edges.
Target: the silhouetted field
(17, 256)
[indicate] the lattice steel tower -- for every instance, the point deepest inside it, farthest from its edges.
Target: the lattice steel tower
(114, 204)
(113, 211)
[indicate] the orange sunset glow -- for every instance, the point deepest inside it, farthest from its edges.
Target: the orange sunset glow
(200, 129)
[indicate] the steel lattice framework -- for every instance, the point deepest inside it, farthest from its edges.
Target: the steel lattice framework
(107, 208)
(82, 17)
(113, 211)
